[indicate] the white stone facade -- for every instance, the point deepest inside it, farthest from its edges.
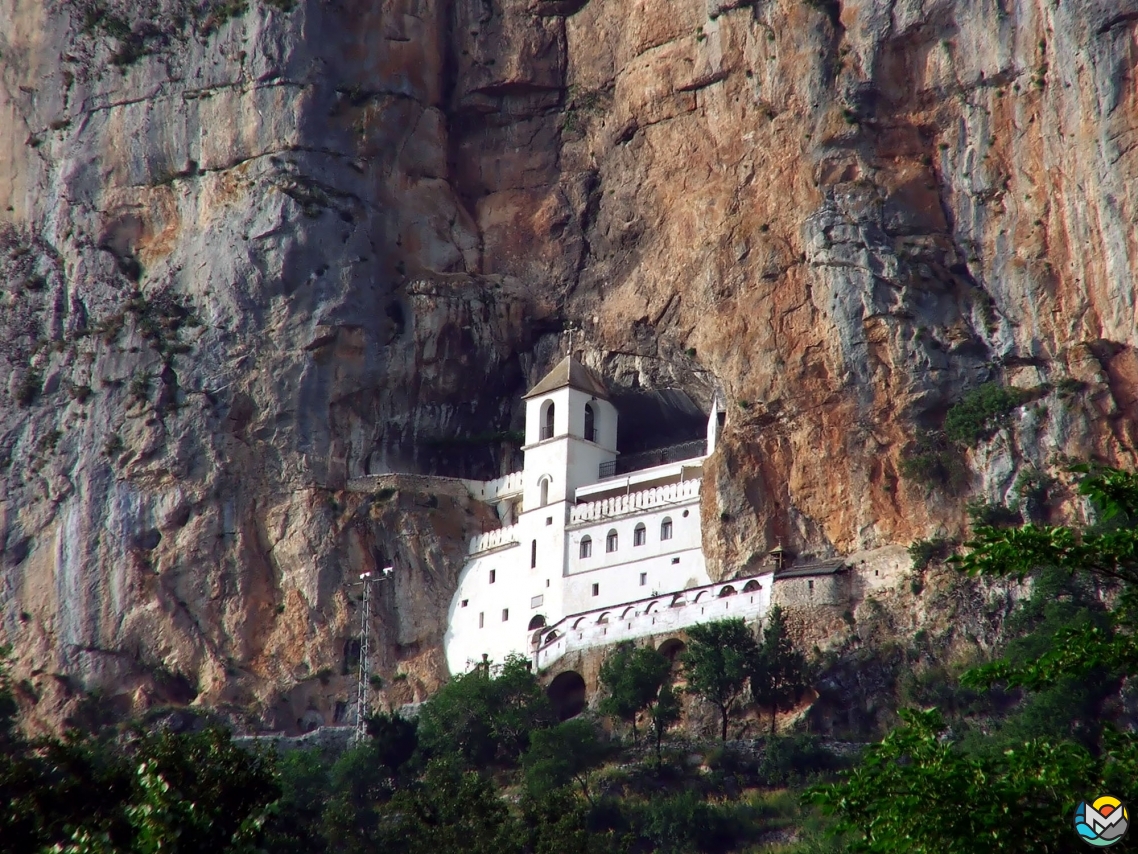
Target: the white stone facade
(577, 541)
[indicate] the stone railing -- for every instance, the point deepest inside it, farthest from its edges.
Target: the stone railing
(507, 536)
(671, 612)
(490, 491)
(646, 499)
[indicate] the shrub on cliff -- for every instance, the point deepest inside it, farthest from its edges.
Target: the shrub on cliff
(935, 461)
(982, 411)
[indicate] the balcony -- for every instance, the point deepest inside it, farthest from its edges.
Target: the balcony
(607, 469)
(546, 432)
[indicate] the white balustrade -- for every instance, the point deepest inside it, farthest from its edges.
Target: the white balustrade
(494, 539)
(658, 496)
(491, 490)
(670, 612)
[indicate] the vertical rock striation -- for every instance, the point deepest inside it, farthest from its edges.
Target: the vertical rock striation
(251, 251)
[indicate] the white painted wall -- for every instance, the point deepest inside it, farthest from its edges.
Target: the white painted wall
(559, 581)
(658, 615)
(564, 580)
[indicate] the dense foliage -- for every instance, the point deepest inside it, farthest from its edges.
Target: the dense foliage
(988, 779)
(997, 765)
(485, 768)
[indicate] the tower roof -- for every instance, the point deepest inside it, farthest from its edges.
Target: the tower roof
(569, 372)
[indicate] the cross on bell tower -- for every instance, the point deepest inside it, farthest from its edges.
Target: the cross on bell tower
(571, 327)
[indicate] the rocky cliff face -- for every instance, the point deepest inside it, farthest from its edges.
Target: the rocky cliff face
(250, 250)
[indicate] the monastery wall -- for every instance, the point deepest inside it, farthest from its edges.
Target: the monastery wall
(655, 615)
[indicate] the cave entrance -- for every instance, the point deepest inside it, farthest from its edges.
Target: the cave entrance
(567, 694)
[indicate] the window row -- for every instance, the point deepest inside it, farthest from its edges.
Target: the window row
(639, 538)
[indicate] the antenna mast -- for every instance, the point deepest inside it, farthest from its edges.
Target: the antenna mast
(362, 685)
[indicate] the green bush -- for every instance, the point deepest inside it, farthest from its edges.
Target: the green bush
(29, 388)
(1031, 488)
(791, 760)
(981, 412)
(686, 822)
(935, 462)
(924, 552)
(1069, 386)
(981, 513)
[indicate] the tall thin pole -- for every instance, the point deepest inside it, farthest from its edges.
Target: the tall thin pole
(362, 687)
(364, 679)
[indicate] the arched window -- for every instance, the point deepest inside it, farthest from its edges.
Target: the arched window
(610, 541)
(727, 591)
(751, 586)
(536, 622)
(586, 547)
(590, 423)
(640, 535)
(544, 491)
(547, 421)
(533, 554)
(666, 529)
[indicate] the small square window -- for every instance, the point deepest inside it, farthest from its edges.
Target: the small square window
(481, 619)
(505, 614)
(643, 578)
(465, 602)
(549, 520)
(493, 575)
(596, 590)
(675, 560)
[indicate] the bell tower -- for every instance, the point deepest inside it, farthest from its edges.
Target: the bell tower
(570, 433)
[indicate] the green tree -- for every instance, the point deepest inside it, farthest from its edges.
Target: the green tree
(632, 677)
(778, 680)
(451, 810)
(294, 825)
(396, 742)
(199, 792)
(360, 784)
(558, 822)
(718, 662)
(663, 714)
(562, 754)
(919, 791)
(485, 719)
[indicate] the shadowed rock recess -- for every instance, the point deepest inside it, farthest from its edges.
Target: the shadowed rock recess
(249, 251)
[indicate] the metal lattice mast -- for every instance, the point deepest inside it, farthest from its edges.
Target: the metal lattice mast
(363, 682)
(362, 687)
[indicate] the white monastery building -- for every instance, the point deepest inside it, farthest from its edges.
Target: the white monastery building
(586, 556)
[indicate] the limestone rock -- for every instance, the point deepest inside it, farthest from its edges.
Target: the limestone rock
(247, 257)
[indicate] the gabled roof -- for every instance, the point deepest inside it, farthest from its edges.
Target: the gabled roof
(569, 372)
(825, 567)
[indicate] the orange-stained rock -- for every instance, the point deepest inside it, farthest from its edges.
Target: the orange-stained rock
(356, 230)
